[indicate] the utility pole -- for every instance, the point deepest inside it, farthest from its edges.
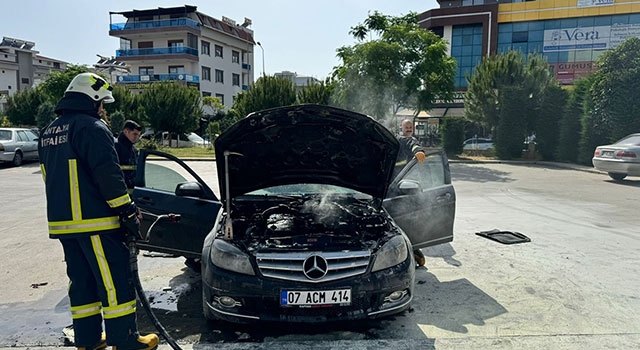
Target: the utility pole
(262, 58)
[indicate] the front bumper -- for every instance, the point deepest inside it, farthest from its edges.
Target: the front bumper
(258, 298)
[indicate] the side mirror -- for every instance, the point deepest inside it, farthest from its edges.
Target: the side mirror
(189, 189)
(408, 187)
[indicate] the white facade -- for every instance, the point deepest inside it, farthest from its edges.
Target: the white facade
(181, 44)
(22, 68)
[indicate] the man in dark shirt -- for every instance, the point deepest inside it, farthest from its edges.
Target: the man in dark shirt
(127, 152)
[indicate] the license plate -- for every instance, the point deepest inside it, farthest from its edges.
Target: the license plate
(607, 154)
(317, 297)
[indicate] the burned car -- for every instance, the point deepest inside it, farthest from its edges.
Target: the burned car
(309, 225)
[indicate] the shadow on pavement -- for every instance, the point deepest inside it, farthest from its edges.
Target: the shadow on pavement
(464, 172)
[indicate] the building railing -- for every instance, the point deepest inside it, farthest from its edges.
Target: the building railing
(158, 77)
(157, 51)
(163, 23)
(246, 66)
(245, 87)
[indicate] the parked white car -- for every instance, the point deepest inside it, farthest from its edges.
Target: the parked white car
(478, 144)
(620, 159)
(17, 144)
(189, 140)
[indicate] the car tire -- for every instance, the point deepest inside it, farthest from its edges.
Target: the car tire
(194, 264)
(617, 176)
(17, 159)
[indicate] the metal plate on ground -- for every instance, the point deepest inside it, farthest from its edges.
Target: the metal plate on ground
(504, 237)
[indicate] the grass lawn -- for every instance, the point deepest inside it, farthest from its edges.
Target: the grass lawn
(190, 152)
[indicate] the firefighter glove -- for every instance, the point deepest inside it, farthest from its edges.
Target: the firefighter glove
(420, 156)
(129, 221)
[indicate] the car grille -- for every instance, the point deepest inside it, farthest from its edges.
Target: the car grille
(291, 266)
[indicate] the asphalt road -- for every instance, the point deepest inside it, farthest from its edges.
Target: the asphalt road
(576, 285)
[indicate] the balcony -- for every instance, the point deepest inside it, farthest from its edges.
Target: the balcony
(175, 24)
(246, 66)
(245, 87)
(189, 78)
(158, 53)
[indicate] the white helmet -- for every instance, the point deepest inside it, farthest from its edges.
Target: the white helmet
(93, 86)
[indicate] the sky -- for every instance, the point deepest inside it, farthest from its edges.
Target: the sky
(300, 36)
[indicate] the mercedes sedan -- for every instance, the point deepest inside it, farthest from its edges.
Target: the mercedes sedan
(620, 159)
(310, 226)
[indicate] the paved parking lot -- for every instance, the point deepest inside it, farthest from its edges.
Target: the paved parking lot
(576, 285)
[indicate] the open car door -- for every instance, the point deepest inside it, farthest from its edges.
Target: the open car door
(166, 185)
(422, 201)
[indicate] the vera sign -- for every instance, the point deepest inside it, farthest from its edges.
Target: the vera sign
(586, 38)
(570, 39)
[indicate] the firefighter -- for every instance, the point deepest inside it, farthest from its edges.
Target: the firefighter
(127, 152)
(91, 213)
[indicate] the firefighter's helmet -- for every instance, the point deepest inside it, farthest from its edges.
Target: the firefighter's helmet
(93, 86)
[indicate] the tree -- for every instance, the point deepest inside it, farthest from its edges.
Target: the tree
(529, 85)
(319, 93)
(54, 86)
(45, 114)
(267, 92)
(22, 107)
(616, 106)
(406, 66)
(172, 107)
(570, 125)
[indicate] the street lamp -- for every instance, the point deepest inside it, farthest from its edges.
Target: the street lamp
(262, 57)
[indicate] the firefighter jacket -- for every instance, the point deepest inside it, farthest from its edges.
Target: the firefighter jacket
(409, 146)
(128, 158)
(84, 185)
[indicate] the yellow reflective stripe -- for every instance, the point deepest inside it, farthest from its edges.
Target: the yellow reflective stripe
(122, 200)
(128, 167)
(105, 272)
(74, 190)
(414, 148)
(120, 310)
(43, 172)
(87, 310)
(402, 162)
(88, 225)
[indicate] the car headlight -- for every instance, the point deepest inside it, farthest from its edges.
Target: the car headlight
(392, 253)
(229, 257)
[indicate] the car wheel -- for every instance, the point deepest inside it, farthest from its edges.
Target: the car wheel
(420, 258)
(17, 159)
(194, 264)
(617, 176)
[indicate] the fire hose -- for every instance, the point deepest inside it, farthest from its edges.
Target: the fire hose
(133, 263)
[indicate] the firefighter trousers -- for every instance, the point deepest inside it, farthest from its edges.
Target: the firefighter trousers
(100, 287)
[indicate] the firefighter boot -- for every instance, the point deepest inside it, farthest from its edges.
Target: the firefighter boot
(139, 342)
(102, 344)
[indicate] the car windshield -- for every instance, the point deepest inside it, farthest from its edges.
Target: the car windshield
(308, 189)
(5, 135)
(630, 140)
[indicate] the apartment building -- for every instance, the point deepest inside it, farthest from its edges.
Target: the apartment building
(184, 45)
(570, 34)
(21, 67)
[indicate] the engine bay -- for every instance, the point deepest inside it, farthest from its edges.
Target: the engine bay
(309, 222)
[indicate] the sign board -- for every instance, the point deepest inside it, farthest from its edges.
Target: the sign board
(594, 3)
(589, 38)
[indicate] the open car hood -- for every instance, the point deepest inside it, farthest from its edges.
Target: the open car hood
(306, 144)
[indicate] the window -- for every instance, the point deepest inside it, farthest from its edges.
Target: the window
(56, 65)
(205, 94)
(235, 79)
(145, 71)
(219, 76)
(235, 57)
(206, 73)
(520, 37)
(25, 80)
(145, 45)
(220, 97)
(218, 51)
(175, 43)
(176, 69)
(205, 48)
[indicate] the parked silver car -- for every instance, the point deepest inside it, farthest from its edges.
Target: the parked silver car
(620, 159)
(478, 144)
(18, 144)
